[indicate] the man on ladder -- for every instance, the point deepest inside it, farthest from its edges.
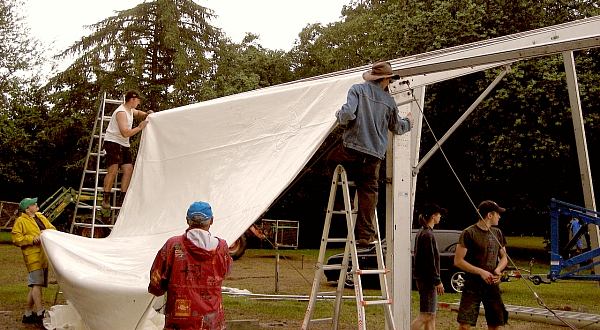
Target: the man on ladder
(116, 144)
(370, 111)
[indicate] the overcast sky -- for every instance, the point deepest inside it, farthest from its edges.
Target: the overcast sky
(277, 22)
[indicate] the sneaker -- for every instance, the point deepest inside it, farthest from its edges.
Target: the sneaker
(30, 319)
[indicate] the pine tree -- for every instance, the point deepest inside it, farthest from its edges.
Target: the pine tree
(163, 48)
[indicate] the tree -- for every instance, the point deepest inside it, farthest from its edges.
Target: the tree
(18, 52)
(247, 66)
(163, 48)
(19, 121)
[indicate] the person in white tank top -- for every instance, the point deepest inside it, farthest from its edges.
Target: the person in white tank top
(116, 144)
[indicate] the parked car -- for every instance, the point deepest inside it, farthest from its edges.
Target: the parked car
(452, 277)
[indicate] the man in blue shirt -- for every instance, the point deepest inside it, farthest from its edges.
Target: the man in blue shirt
(574, 227)
(370, 111)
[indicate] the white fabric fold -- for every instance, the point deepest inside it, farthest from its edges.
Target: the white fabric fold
(238, 153)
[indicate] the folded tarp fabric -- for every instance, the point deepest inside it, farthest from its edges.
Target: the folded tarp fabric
(238, 153)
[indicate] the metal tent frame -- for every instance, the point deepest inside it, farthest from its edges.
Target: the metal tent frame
(422, 70)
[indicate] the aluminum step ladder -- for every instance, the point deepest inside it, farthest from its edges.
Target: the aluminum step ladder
(89, 215)
(340, 180)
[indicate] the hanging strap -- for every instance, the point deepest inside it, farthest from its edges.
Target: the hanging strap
(39, 222)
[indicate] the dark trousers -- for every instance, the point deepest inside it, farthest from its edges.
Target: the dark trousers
(363, 169)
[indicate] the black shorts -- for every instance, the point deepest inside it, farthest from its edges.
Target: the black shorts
(475, 292)
(116, 154)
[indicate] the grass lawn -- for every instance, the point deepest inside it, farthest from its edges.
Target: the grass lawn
(5, 237)
(255, 271)
(526, 242)
(563, 295)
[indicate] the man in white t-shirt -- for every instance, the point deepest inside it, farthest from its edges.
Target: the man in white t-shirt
(116, 143)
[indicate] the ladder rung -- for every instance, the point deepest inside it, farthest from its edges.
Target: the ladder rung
(109, 101)
(331, 267)
(376, 302)
(336, 240)
(372, 271)
(327, 319)
(100, 189)
(84, 206)
(101, 171)
(102, 153)
(98, 207)
(94, 171)
(350, 183)
(105, 118)
(342, 212)
(326, 293)
(89, 225)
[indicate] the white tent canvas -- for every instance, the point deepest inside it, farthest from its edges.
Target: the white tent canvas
(238, 153)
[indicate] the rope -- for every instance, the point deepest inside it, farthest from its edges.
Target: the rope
(142, 318)
(537, 297)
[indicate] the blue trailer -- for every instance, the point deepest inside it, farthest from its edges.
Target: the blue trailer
(563, 263)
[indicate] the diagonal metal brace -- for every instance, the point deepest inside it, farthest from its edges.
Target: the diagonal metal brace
(460, 120)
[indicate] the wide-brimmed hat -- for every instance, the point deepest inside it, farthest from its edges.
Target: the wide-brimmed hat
(488, 206)
(380, 70)
(199, 212)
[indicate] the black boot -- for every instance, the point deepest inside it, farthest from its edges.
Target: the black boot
(30, 319)
(39, 318)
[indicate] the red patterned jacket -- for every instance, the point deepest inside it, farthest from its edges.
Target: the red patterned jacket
(192, 278)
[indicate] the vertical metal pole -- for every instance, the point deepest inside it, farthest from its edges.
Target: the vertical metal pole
(555, 257)
(401, 158)
(582, 151)
(276, 257)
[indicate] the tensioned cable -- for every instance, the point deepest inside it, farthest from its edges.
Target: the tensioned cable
(291, 265)
(539, 300)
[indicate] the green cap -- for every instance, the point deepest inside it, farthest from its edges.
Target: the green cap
(27, 202)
